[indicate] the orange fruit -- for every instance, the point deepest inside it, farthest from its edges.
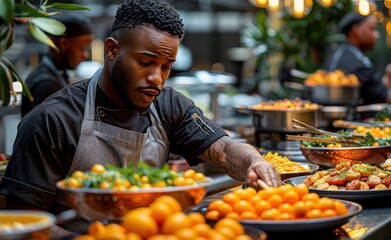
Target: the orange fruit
(243, 237)
(291, 196)
(174, 222)
(160, 211)
(113, 227)
(314, 213)
(253, 200)
(300, 209)
(248, 215)
(86, 237)
(202, 229)
(188, 173)
(233, 215)
(283, 188)
(98, 168)
(133, 236)
(212, 215)
(215, 205)
(196, 218)
(301, 189)
(186, 233)
(329, 213)
(310, 205)
(163, 237)
(242, 206)
(275, 200)
(224, 209)
(230, 223)
(340, 208)
(226, 231)
(245, 194)
(271, 214)
(231, 198)
(285, 216)
(266, 193)
(286, 208)
(215, 235)
(96, 229)
(310, 197)
(171, 201)
(139, 222)
(199, 177)
(109, 235)
(262, 206)
(325, 203)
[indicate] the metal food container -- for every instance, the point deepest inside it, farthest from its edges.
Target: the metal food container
(112, 205)
(281, 120)
(334, 95)
(330, 157)
(25, 224)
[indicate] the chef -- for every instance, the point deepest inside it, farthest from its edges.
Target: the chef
(361, 35)
(122, 114)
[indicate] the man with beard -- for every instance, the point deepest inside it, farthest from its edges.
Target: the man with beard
(51, 74)
(361, 35)
(122, 115)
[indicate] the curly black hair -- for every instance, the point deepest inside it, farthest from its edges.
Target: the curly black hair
(135, 13)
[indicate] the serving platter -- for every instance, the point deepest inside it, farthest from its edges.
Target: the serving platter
(278, 226)
(351, 195)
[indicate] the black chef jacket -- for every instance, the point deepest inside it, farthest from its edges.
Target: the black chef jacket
(47, 138)
(45, 80)
(350, 59)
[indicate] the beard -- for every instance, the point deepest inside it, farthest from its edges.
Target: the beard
(120, 84)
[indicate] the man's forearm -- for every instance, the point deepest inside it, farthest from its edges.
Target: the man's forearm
(235, 158)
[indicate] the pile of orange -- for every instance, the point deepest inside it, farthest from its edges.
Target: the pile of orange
(285, 202)
(164, 220)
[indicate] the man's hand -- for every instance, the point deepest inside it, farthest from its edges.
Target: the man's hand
(265, 171)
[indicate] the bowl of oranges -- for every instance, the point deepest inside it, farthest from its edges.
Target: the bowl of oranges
(283, 209)
(108, 192)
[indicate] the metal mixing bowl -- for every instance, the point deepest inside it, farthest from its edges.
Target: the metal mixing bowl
(101, 204)
(311, 169)
(330, 157)
(31, 225)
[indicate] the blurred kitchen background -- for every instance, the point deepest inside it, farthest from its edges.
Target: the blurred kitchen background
(234, 52)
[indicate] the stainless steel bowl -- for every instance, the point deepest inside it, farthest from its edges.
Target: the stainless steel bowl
(335, 112)
(311, 169)
(99, 204)
(31, 225)
(335, 95)
(330, 157)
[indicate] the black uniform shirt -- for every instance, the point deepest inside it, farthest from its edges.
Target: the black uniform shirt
(47, 138)
(350, 59)
(43, 82)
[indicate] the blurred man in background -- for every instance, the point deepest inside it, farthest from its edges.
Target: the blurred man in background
(51, 75)
(361, 35)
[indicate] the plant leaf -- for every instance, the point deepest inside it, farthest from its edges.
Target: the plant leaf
(7, 10)
(41, 36)
(67, 6)
(26, 91)
(49, 25)
(26, 10)
(6, 94)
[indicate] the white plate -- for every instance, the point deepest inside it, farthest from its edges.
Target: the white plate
(351, 195)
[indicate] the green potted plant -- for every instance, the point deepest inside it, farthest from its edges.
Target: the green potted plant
(39, 24)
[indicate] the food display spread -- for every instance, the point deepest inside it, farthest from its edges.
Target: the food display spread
(347, 176)
(285, 104)
(335, 78)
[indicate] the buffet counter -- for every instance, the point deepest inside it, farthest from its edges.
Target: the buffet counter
(374, 222)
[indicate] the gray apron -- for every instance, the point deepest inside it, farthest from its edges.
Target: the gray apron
(103, 143)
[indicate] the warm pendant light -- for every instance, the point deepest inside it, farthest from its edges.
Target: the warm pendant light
(259, 3)
(298, 8)
(274, 5)
(326, 3)
(365, 7)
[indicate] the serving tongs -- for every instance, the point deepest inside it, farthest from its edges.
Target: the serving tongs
(348, 124)
(333, 136)
(325, 140)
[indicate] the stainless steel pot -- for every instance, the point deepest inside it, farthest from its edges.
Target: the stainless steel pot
(335, 95)
(281, 120)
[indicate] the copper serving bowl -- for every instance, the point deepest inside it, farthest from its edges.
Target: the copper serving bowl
(106, 204)
(330, 157)
(311, 169)
(25, 224)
